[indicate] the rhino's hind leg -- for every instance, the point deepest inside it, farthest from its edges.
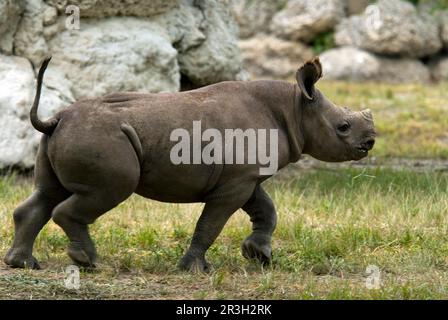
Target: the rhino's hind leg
(101, 173)
(264, 219)
(29, 218)
(34, 213)
(76, 213)
(213, 218)
(73, 215)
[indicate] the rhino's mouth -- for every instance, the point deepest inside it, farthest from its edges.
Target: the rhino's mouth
(360, 152)
(363, 150)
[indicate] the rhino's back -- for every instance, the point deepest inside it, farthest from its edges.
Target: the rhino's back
(96, 124)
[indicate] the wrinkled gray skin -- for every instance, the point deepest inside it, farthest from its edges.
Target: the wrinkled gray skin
(98, 152)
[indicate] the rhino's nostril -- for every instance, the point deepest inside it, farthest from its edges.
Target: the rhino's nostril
(368, 144)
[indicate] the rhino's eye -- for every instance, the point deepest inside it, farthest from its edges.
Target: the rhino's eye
(343, 128)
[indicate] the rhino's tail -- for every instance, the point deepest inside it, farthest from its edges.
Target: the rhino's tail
(48, 126)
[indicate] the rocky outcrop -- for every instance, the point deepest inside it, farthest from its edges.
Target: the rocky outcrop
(443, 20)
(18, 143)
(203, 34)
(397, 34)
(131, 45)
(135, 57)
(254, 17)
(217, 58)
(10, 11)
(356, 6)
(391, 27)
(110, 8)
(304, 19)
(29, 39)
(439, 68)
(349, 63)
(270, 57)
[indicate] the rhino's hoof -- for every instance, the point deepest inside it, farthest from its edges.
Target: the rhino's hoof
(81, 257)
(253, 249)
(193, 264)
(18, 260)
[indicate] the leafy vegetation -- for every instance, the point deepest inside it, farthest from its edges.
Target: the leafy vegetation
(433, 5)
(323, 42)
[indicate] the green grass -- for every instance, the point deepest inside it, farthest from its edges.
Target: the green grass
(411, 120)
(332, 225)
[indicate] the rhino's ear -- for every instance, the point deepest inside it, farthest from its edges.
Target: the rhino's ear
(307, 76)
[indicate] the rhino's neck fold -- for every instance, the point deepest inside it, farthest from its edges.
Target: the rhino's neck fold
(285, 106)
(294, 128)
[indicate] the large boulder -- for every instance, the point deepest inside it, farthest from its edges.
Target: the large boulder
(270, 57)
(443, 20)
(197, 39)
(349, 63)
(108, 8)
(439, 68)
(19, 141)
(131, 45)
(218, 57)
(29, 39)
(135, 57)
(10, 12)
(356, 6)
(391, 27)
(304, 19)
(56, 93)
(255, 16)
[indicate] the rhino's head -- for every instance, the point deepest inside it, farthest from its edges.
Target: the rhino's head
(331, 133)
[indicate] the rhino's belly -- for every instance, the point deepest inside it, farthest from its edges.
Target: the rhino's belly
(174, 183)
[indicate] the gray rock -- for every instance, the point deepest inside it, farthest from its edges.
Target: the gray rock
(218, 57)
(197, 39)
(19, 141)
(29, 40)
(269, 57)
(304, 19)
(255, 16)
(185, 27)
(439, 68)
(56, 93)
(108, 8)
(349, 63)
(391, 27)
(356, 6)
(10, 11)
(50, 15)
(443, 20)
(203, 32)
(135, 57)
(17, 145)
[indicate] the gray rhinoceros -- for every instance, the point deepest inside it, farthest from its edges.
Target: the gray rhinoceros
(97, 152)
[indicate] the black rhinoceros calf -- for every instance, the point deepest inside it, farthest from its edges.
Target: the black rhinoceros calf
(97, 152)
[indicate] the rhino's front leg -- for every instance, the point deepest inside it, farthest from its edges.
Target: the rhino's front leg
(213, 218)
(264, 219)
